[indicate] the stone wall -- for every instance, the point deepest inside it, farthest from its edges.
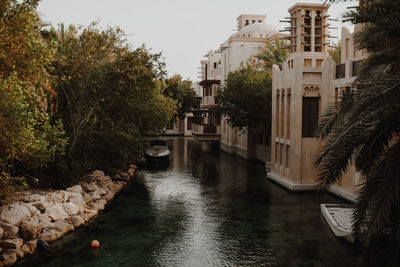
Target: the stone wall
(48, 215)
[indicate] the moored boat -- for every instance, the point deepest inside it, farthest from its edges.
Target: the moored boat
(338, 217)
(157, 151)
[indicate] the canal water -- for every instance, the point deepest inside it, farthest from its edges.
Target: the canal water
(206, 208)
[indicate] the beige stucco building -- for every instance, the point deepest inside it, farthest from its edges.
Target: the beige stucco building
(183, 127)
(308, 82)
(237, 51)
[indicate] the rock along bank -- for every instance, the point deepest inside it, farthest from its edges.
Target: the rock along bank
(48, 215)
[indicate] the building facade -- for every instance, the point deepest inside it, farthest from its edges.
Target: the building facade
(236, 52)
(309, 82)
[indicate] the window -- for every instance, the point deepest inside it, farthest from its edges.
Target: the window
(277, 117)
(310, 116)
(215, 65)
(288, 116)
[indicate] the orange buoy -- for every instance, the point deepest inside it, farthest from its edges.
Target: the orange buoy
(95, 244)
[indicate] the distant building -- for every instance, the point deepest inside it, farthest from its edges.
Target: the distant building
(178, 127)
(309, 82)
(233, 54)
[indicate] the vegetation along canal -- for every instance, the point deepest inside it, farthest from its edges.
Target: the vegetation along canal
(206, 208)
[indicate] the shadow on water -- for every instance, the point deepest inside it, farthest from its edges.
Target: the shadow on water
(206, 208)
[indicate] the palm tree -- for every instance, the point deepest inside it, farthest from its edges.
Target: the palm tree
(274, 53)
(364, 129)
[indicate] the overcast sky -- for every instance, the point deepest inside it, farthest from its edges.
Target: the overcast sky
(184, 30)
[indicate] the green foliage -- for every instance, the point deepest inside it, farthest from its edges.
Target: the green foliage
(72, 101)
(273, 53)
(246, 96)
(245, 99)
(29, 136)
(364, 128)
(336, 52)
(109, 98)
(182, 92)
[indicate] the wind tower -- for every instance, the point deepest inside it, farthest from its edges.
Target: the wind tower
(299, 92)
(308, 28)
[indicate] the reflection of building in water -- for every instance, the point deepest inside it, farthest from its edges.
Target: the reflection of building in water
(308, 83)
(179, 153)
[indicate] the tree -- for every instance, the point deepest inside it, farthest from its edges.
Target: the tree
(182, 92)
(246, 96)
(109, 97)
(245, 99)
(29, 136)
(364, 128)
(335, 53)
(274, 53)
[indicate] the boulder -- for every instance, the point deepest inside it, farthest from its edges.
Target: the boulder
(98, 205)
(9, 230)
(109, 196)
(15, 214)
(9, 258)
(90, 187)
(14, 243)
(124, 176)
(58, 196)
(96, 174)
(104, 182)
(88, 215)
(33, 198)
(30, 230)
(102, 192)
(40, 206)
(75, 189)
(95, 195)
(32, 209)
(76, 221)
(50, 235)
(56, 212)
(63, 227)
(43, 220)
(1, 232)
(87, 198)
(77, 199)
(131, 172)
(20, 253)
(70, 208)
(29, 247)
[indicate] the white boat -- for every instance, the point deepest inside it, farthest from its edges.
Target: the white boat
(338, 217)
(157, 150)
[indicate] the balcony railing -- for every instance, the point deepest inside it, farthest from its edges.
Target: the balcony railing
(206, 129)
(340, 71)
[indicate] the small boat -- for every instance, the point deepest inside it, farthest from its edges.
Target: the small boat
(338, 217)
(157, 151)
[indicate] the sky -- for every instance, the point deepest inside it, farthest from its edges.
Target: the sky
(183, 30)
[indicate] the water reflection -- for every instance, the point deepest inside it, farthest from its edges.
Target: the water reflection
(206, 209)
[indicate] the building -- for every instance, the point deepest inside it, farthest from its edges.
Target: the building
(308, 82)
(206, 125)
(234, 53)
(179, 127)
